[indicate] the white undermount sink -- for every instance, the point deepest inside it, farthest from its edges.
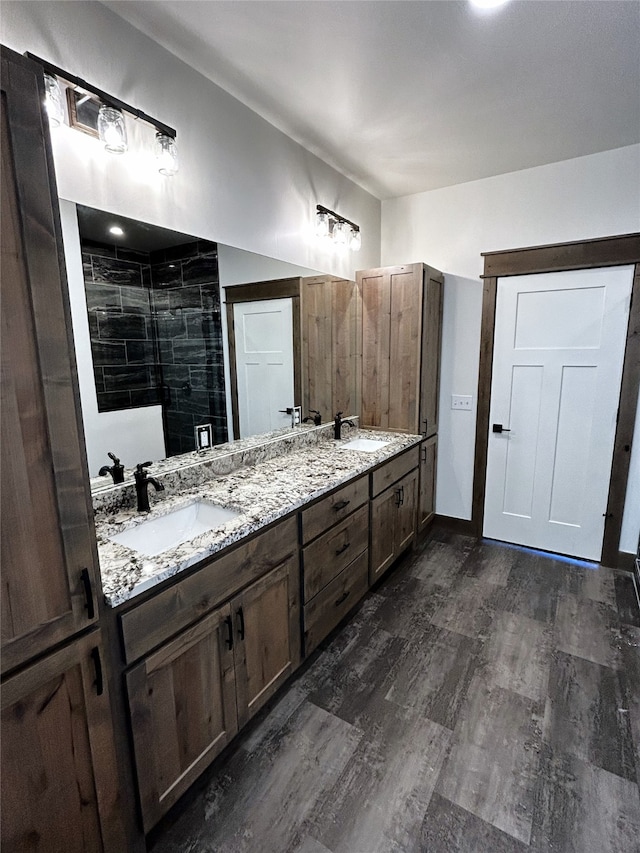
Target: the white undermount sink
(156, 535)
(368, 445)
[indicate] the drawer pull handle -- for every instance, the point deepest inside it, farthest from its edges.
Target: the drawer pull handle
(97, 663)
(240, 615)
(426, 427)
(424, 454)
(229, 640)
(342, 598)
(88, 593)
(343, 549)
(341, 505)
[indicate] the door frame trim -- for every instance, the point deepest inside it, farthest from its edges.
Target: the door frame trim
(257, 291)
(560, 257)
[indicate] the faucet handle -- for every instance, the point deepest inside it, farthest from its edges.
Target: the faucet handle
(142, 465)
(114, 457)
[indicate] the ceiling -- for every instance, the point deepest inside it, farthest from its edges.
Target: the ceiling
(404, 97)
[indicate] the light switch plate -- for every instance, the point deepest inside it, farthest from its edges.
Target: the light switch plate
(461, 401)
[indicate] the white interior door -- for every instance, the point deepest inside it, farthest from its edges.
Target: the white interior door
(557, 366)
(264, 364)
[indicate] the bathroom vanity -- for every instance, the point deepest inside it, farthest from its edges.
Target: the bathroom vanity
(208, 630)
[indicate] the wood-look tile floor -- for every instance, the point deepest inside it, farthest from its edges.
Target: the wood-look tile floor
(483, 699)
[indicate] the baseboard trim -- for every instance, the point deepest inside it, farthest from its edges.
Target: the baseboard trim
(625, 561)
(456, 525)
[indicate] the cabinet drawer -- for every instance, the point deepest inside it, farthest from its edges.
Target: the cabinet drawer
(335, 507)
(393, 470)
(334, 602)
(331, 552)
(146, 626)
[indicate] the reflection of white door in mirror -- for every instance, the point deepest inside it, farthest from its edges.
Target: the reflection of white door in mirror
(264, 364)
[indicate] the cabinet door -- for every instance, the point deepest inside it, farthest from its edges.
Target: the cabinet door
(375, 296)
(47, 546)
(404, 349)
(405, 526)
(267, 636)
(59, 788)
(183, 711)
(346, 332)
(431, 346)
(317, 363)
(384, 511)
(426, 502)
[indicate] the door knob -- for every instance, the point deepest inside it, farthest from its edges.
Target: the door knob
(499, 428)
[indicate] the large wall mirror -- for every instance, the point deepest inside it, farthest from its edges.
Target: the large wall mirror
(150, 333)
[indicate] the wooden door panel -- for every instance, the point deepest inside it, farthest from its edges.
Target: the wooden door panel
(267, 648)
(59, 786)
(46, 524)
(375, 295)
(406, 515)
(347, 347)
(404, 349)
(383, 518)
(317, 346)
(183, 713)
(431, 348)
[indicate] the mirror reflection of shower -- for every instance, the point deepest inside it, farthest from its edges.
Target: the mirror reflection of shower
(153, 303)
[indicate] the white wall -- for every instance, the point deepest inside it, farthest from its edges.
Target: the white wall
(241, 181)
(588, 197)
(134, 435)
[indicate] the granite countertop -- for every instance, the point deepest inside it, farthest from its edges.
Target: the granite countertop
(260, 493)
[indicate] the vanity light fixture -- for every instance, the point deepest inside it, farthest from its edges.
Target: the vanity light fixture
(103, 115)
(53, 100)
(341, 231)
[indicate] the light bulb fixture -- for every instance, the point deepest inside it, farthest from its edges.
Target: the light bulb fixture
(53, 100)
(166, 154)
(111, 129)
(101, 115)
(342, 231)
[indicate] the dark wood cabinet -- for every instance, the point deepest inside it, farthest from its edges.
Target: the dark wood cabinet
(49, 573)
(59, 783)
(393, 523)
(189, 698)
(427, 497)
(401, 338)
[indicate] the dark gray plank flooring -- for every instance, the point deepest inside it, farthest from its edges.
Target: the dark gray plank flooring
(483, 699)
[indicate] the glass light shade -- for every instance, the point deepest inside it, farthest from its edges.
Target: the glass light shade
(166, 154)
(355, 240)
(340, 233)
(322, 224)
(111, 129)
(53, 100)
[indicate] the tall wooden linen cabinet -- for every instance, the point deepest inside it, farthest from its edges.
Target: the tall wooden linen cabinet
(59, 784)
(401, 340)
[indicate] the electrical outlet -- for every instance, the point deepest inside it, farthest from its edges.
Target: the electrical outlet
(461, 401)
(297, 415)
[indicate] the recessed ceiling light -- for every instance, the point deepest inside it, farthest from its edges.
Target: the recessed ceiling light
(488, 4)
(116, 230)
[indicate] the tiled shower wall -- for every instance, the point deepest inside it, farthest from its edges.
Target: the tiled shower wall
(156, 335)
(186, 302)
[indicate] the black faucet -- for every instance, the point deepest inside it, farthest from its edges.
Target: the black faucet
(317, 417)
(143, 480)
(116, 470)
(337, 425)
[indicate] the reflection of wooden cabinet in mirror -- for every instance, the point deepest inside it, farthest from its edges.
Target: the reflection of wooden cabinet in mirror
(401, 335)
(331, 346)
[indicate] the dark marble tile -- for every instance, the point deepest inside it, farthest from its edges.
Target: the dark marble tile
(112, 401)
(92, 247)
(207, 247)
(490, 563)
(145, 397)
(630, 657)
(170, 324)
(166, 275)
(185, 297)
(127, 377)
(135, 300)
(122, 327)
(447, 828)
(626, 599)
(433, 673)
(533, 587)
(194, 402)
(104, 296)
(441, 562)
(140, 352)
(123, 253)
(200, 270)
(112, 271)
(595, 584)
(203, 378)
(587, 714)
(587, 629)
(175, 375)
(492, 766)
(192, 352)
(581, 808)
(210, 299)
(378, 802)
(517, 655)
(109, 352)
(408, 611)
(160, 300)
